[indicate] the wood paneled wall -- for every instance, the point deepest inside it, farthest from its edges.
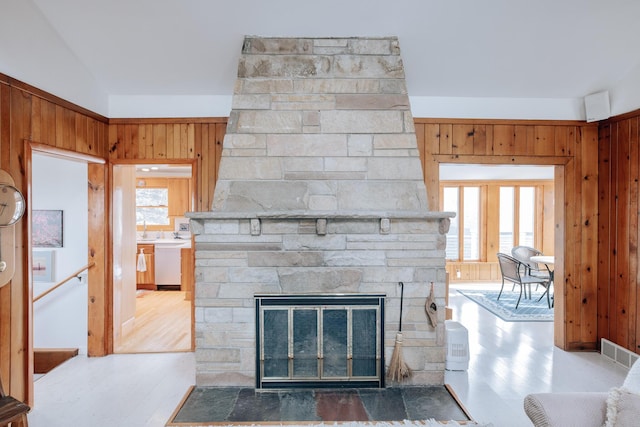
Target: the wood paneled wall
(597, 274)
(189, 140)
(573, 148)
(29, 114)
(618, 237)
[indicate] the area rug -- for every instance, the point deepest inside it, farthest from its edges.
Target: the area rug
(410, 406)
(529, 310)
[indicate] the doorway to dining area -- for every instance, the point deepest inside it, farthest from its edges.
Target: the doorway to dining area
(498, 208)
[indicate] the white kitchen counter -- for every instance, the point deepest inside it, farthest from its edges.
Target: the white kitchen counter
(165, 243)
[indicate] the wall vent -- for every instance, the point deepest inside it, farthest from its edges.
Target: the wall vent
(616, 353)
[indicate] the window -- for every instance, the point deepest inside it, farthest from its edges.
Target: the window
(506, 219)
(471, 224)
(492, 216)
(465, 226)
(517, 217)
(152, 206)
(450, 201)
(526, 216)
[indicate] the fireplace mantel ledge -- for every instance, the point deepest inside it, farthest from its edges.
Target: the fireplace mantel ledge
(294, 214)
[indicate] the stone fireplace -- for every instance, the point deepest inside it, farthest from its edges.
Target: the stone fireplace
(320, 197)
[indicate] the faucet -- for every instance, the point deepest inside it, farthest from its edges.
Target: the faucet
(144, 229)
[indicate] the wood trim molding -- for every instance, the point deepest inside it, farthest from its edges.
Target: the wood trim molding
(621, 117)
(502, 160)
(179, 120)
(62, 153)
(438, 121)
(10, 81)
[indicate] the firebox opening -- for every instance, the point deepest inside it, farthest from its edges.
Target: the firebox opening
(320, 341)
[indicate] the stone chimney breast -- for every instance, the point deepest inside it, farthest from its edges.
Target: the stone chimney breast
(320, 192)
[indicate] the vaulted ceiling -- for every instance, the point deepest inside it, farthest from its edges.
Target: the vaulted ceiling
(544, 49)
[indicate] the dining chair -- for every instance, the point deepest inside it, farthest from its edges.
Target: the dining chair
(523, 254)
(511, 270)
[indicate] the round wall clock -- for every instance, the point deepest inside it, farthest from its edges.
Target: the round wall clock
(11, 205)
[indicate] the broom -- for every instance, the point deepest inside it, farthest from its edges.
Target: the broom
(398, 369)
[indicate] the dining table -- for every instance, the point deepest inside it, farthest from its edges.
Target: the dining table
(543, 259)
(548, 261)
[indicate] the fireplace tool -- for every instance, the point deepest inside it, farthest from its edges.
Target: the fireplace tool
(398, 369)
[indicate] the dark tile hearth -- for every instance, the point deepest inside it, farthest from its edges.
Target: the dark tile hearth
(248, 405)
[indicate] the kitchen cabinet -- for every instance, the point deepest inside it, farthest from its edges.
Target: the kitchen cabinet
(146, 279)
(179, 196)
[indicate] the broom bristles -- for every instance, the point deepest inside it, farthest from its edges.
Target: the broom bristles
(398, 369)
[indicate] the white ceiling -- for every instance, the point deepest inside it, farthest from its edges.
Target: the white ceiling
(451, 48)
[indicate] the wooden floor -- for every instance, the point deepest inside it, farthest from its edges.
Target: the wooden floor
(508, 361)
(162, 324)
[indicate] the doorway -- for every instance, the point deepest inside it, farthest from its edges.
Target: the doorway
(152, 257)
(497, 207)
(551, 197)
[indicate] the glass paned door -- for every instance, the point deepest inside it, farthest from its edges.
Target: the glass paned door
(334, 343)
(364, 343)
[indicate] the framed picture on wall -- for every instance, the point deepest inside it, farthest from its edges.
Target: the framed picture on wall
(42, 266)
(46, 226)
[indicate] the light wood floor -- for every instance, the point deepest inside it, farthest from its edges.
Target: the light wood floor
(508, 361)
(162, 324)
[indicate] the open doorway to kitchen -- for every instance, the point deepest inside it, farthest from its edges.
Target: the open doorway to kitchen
(152, 257)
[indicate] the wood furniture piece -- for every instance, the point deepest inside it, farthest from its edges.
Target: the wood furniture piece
(12, 411)
(146, 279)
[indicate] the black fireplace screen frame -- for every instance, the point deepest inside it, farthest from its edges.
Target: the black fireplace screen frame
(345, 312)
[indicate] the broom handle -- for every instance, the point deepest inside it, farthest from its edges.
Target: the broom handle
(401, 298)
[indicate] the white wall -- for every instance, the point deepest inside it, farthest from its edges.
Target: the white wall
(33, 52)
(60, 318)
(625, 96)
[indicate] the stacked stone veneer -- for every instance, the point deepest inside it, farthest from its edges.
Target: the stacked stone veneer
(320, 190)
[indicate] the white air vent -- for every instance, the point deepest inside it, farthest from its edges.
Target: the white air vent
(617, 354)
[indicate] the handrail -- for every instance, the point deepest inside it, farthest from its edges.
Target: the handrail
(62, 282)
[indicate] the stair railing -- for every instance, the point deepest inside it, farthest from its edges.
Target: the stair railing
(65, 280)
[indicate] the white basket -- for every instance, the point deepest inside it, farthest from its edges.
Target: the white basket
(456, 340)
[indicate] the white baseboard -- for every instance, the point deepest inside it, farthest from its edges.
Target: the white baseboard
(617, 354)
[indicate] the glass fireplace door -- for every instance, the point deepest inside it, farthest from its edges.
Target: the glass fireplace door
(320, 341)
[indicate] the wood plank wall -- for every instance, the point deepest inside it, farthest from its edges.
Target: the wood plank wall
(27, 113)
(175, 140)
(587, 271)
(572, 147)
(618, 237)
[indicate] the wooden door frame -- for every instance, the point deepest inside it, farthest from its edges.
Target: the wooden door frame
(98, 278)
(194, 174)
(559, 219)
